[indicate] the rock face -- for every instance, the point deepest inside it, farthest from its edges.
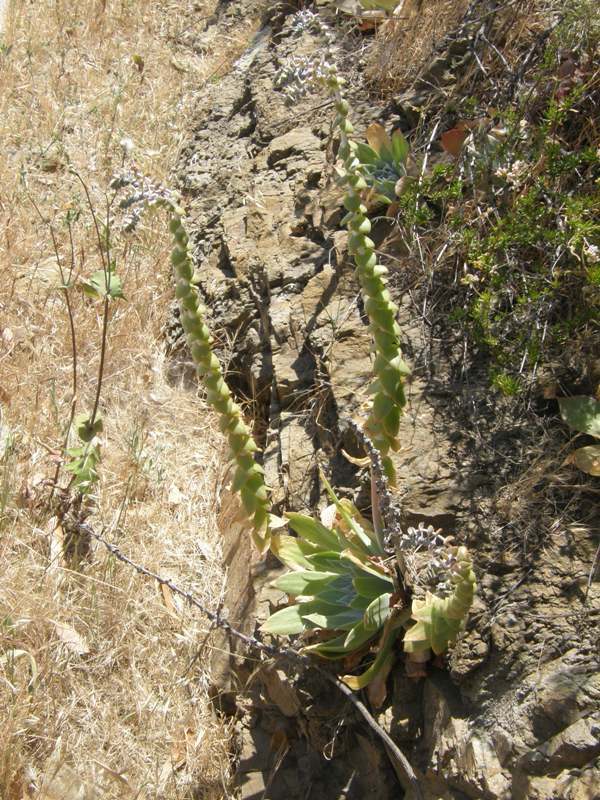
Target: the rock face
(516, 713)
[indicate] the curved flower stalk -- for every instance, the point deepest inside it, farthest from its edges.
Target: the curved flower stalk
(439, 620)
(389, 368)
(249, 476)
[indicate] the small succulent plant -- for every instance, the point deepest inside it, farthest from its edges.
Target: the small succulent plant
(384, 161)
(343, 588)
(347, 599)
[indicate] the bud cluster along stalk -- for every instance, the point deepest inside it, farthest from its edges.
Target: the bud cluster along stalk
(438, 621)
(389, 368)
(249, 476)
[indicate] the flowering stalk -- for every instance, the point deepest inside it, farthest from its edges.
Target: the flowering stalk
(389, 369)
(249, 476)
(438, 620)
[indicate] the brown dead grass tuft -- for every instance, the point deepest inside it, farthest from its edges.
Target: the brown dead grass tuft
(119, 706)
(404, 43)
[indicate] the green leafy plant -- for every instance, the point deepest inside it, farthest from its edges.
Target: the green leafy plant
(348, 596)
(384, 163)
(582, 414)
(340, 583)
(84, 460)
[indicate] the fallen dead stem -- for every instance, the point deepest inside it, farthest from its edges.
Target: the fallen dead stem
(115, 708)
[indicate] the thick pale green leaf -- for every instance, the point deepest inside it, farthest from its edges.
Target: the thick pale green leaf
(581, 414)
(588, 459)
(305, 582)
(356, 637)
(372, 586)
(342, 620)
(285, 622)
(369, 545)
(400, 147)
(359, 602)
(416, 638)
(293, 552)
(339, 591)
(102, 284)
(311, 530)
(330, 561)
(366, 566)
(377, 612)
(443, 631)
(366, 154)
(382, 660)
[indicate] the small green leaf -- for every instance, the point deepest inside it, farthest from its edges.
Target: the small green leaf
(371, 586)
(365, 540)
(332, 617)
(344, 644)
(377, 612)
(366, 154)
(85, 430)
(103, 284)
(581, 414)
(400, 147)
(384, 655)
(293, 552)
(330, 561)
(339, 591)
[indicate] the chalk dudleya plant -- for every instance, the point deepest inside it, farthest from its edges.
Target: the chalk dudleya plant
(346, 599)
(341, 581)
(358, 177)
(384, 163)
(347, 596)
(249, 478)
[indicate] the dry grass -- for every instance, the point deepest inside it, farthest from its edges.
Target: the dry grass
(119, 707)
(403, 44)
